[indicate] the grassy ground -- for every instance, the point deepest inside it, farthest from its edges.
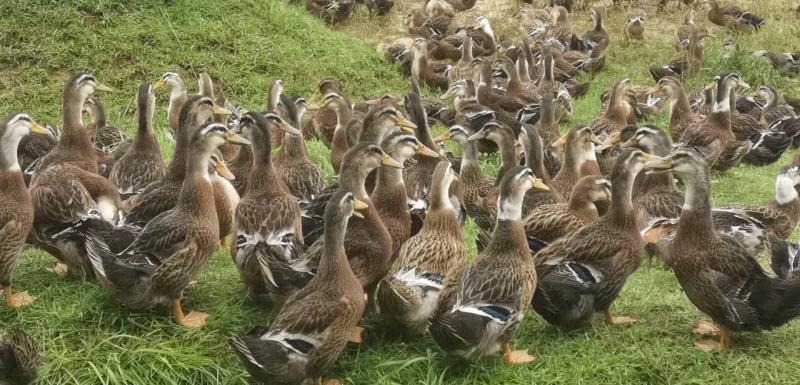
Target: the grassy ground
(88, 340)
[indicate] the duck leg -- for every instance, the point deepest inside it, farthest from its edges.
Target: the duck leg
(711, 346)
(17, 300)
(611, 320)
(193, 320)
(59, 269)
(516, 357)
(356, 335)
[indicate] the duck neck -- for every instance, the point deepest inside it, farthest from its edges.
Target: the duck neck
(508, 155)
(390, 192)
(293, 147)
(145, 136)
(197, 195)
(522, 70)
(333, 263)
(621, 211)
(696, 221)
(466, 51)
(547, 74)
(353, 180)
(98, 114)
(8, 153)
(581, 204)
(74, 133)
(470, 167)
(679, 108)
(598, 23)
(509, 234)
(514, 84)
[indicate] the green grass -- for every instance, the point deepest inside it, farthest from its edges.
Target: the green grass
(86, 339)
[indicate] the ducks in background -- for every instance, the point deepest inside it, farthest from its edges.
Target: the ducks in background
(732, 17)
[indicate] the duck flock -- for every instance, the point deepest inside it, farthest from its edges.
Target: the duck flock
(562, 227)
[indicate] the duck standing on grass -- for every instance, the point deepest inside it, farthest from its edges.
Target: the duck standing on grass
(715, 271)
(493, 294)
(16, 209)
(585, 273)
(174, 246)
(313, 327)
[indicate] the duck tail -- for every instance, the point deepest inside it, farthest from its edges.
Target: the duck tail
(776, 300)
(565, 296)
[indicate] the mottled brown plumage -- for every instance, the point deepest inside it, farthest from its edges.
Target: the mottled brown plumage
(142, 164)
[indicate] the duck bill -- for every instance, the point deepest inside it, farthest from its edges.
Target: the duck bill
(224, 171)
(476, 136)
(102, 87)
(610, 143)
(234, 138)
(539, 184)
(560, 142)
(359, 205)
(388, 161)
(424, 150)
(405, 124)
(658, 166)
(221, 111)
(631, 143)
(161, 83)
(287, 128)
(655, 234)
(38, 129)
(443, 137)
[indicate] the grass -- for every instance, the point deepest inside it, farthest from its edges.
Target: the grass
(86, 339)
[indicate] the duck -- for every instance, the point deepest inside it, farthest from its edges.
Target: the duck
(774, 108)
(475, 184)
(411, 292)
(32, 148)
(302, 177)
(267, 225)
(743, 125)
(634, 26)
(368, 243)
(178, 95)
(330, 11)
(105, 138)
(463, 68)
(767, 148)
(685, 31)
(549, 222)
(422, 71)
(537, 159)
(687, 62)
(715, 271)
(585, 273)
(143, 163)
(615, 118)
(788, 63)
(389, 194)
(173, 247)
(482, 35)
(560, 29)
(16, 217)
(490, 299)
(313, 327)
(19, 358)
(655, 195)
(429, 25)
(580, 159)
(161, 196)
(597, 37)
(681, 116)
(732, 17)
(67, 189)
(714, 134)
